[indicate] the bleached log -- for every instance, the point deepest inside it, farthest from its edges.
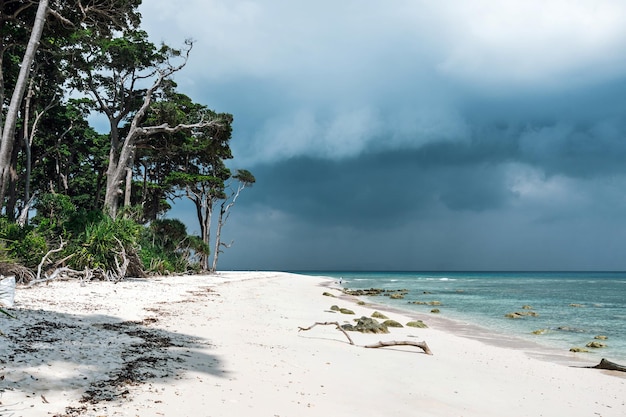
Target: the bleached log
(421, 345)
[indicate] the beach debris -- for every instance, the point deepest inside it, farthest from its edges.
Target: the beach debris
(327, 294)
(366, 325)
(611, 366)
(396, 296)
(596, 345)
(7, 291)
(378, 315)
(540, 331)
(601, 337)
(334, 308)
(421, 345)
(435, 310)
(576, 305)
(392, 323)
(527, 307)
(520, 314)
(380, 344)
(417, 324)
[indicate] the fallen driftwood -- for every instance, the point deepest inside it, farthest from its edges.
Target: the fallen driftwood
(421, 345)
(327, 323)
(611, 366)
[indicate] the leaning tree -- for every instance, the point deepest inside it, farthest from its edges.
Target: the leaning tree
(124, 76)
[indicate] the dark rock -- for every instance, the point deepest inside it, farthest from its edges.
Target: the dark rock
(579, 350)
(378, 315)
(366, 325)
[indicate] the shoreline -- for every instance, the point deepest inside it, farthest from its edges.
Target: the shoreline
(471, 330)
(228, 345)
(550, 336)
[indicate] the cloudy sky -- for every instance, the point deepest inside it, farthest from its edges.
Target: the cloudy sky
(415, 134)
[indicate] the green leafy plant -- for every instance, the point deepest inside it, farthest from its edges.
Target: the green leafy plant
(101, 241)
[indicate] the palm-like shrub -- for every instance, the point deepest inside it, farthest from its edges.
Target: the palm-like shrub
(103, 242)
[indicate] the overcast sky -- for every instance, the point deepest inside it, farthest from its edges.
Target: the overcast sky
(415, 134)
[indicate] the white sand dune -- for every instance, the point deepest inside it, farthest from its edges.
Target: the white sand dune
(229, 345)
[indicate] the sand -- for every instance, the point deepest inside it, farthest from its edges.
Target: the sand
(229, 345)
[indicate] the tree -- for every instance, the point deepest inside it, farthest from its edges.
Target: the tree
(18, 25)
(244, 179)
(202, 173)
(8, 131)
(113, 72)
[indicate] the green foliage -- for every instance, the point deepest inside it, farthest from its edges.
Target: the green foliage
(25, 245)
(169, 232)
(101, 240)
(29, 249)
(53, 213)
(166, 248)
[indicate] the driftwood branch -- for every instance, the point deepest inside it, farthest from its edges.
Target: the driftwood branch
(65, 272)
(328, 323)
(611, 366)
(43, 260)
(421, 345)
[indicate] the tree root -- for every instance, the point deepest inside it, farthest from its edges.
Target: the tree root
(421, 345)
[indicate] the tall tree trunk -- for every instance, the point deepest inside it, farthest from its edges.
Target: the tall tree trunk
(112, 192)
(8, 132)
(218, 238)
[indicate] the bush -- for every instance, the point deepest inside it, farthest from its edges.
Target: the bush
(101, 241)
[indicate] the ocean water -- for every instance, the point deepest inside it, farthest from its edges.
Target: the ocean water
(572, 307)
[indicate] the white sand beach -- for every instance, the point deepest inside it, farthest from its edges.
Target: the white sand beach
(229, 345)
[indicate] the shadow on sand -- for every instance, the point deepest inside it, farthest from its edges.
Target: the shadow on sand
(98, 356)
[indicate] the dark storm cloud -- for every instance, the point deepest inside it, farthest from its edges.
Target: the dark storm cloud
(418, 134)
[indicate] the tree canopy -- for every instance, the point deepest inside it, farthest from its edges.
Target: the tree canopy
(100, 198)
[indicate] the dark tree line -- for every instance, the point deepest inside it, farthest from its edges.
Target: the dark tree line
(99, 199)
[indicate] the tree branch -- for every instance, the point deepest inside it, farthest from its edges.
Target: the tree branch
(328, 323)
(421, 345)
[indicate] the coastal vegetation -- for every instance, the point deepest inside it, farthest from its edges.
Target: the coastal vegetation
(92, 200)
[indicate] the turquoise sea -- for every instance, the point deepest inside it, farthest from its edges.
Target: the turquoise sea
(572, 308)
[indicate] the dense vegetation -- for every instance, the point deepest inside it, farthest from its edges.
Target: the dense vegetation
(80, 201)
